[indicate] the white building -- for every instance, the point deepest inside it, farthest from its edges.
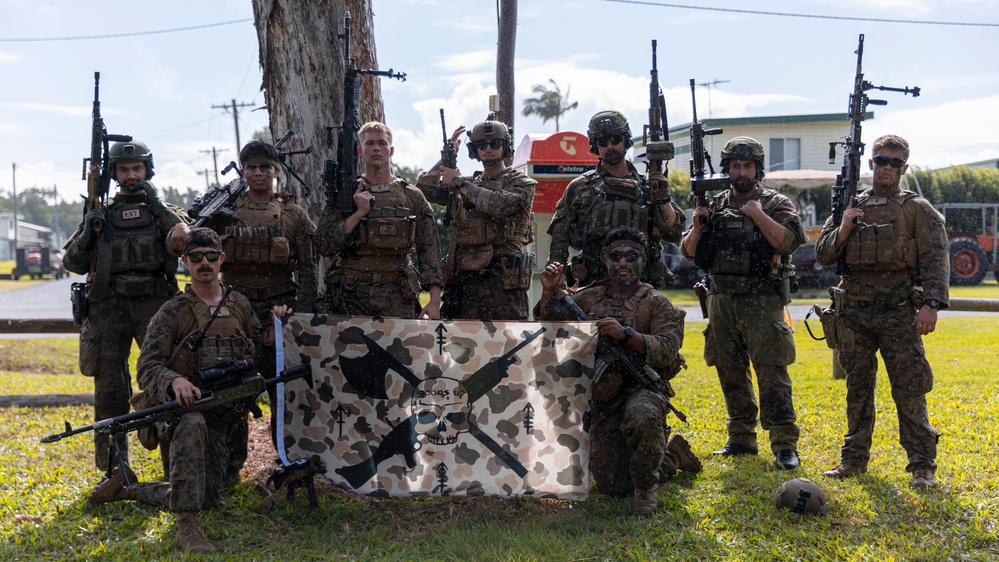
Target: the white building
(27, 235)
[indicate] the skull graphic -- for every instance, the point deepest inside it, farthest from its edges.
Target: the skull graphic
(441, 410)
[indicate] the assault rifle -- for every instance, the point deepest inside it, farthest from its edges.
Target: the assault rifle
(702, 181)
(96, 168)
(340, 175)
(844, 193)
(220, 202)
(609, 352)
(656, 148)
(235, 382)
(449, 159)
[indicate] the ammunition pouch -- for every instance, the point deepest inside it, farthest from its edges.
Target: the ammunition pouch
(81, 305)
(476, 232)
(889, 299)
(516, 271)
(473, 258)
(386, 236)
(141, 286)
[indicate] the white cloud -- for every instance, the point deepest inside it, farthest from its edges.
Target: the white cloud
(7, 57)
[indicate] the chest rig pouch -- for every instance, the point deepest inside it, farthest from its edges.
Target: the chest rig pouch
(138, 254)
(882, 242)
(737, 246)
(619, 202)
(225, 340)
(257, 239)
(390, 227)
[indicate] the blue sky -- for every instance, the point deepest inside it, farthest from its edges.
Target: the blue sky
(161, 87)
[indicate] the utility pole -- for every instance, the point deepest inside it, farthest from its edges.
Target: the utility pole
(205, 173)
(235, 117)
(215, 158)
(710, 85)
(13, 183)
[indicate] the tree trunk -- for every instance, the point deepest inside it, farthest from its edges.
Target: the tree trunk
(301, 56)
(505, 51)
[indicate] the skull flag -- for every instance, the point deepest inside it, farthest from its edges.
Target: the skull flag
(429, 407)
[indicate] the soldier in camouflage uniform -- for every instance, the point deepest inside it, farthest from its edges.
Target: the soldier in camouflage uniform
(269, 247)
(897, 245)
(198, 442)
(487, 271)
(613, 195)
(373, 273)
(629, 452)
(745, 244)
(130, 274)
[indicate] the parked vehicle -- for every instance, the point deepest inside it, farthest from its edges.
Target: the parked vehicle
(35, 262)
(974, 241)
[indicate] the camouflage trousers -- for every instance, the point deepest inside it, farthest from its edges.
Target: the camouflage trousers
(744, 328)
(484, 298)
(385, 300)
(893, 333)
(199, 453)
(628, 436)
(106, 338)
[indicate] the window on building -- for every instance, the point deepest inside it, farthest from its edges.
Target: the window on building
(785, 154)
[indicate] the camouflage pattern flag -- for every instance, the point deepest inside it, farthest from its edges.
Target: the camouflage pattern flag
(429, 407)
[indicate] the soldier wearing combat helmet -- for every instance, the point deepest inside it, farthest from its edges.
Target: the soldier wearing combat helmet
(612, 195)
(744, 239)
(131, 272)
(487, 270)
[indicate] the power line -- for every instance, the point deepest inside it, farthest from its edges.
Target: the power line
(792, 15)
(118, 35)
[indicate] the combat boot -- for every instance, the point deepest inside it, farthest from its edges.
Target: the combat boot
(923, 479)
(189, 535)
(686, 460)
(113, 489)
(845, 470)
(646, 501)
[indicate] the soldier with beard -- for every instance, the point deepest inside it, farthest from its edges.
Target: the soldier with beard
(629, 451)
(744, 239)
(131, 272)
(487, 270)
(613, 195)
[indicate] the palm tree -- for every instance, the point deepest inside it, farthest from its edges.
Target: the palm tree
(550, 104)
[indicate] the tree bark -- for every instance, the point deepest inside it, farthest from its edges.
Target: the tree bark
(301, 56)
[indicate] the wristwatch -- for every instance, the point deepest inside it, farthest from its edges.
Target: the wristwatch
(458, 181)
(629, 333)
(932, 303)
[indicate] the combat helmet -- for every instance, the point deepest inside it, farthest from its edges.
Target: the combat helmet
(605, 124)
(746, 148)
(131, 150)
(488, 130)
(801, 496)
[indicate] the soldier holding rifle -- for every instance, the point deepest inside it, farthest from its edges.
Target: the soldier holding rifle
(744, 239)
(201, 328)
(487, 269)
(629, 452)
(122, 247)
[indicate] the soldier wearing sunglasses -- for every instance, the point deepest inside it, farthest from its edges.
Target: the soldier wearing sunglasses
(629, 451)
(897, 277)
(612, 195)
(487, 270)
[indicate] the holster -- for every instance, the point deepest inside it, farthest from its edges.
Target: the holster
(81, 305)
(701, 290)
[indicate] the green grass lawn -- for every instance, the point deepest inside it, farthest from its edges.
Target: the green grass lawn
(724, 513)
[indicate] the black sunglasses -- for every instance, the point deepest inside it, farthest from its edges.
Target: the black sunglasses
(889, 161)
(494, 144)
(629, 257)
(610, 141)
(196, 257)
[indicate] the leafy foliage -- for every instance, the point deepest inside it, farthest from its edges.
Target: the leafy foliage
(550, 103)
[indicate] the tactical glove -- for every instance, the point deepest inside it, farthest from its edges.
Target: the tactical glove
(87, 237)
(152, 198)
(659, 188)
